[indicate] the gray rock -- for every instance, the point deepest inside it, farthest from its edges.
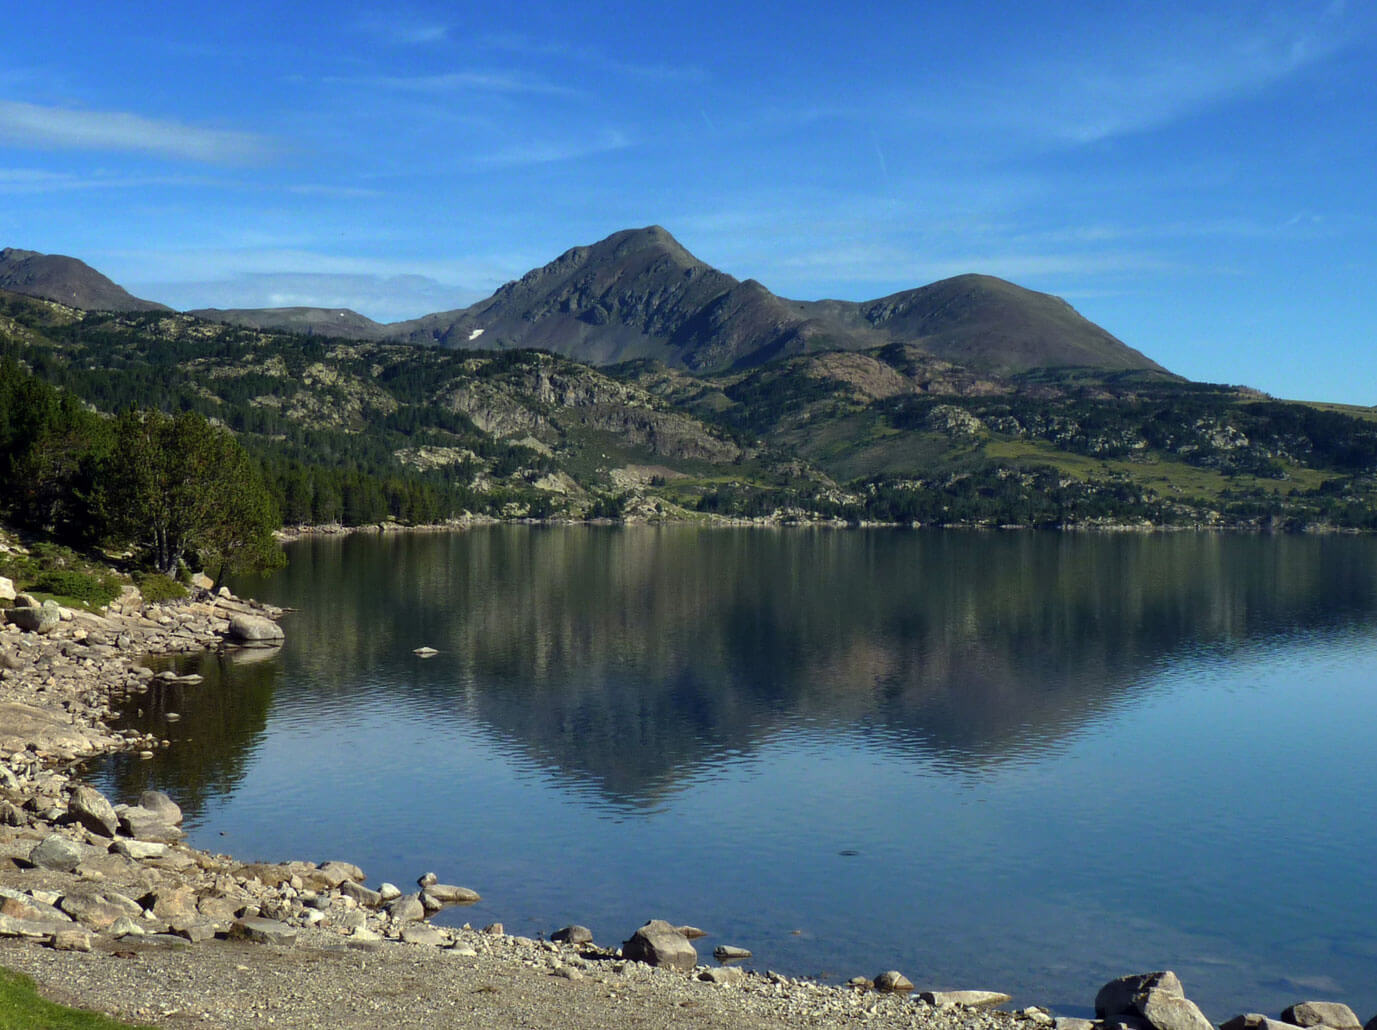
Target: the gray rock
(26, 600)
(70, 940)
(891, 981)
(389, 892)
(254, 629)
(142, 824)
(89, 807)
(407, 909)
(162, 806)
(657, 943)
(347, 870)
(421, 933)
(125, 927)
(18, 905)
(1121, 996)
(263, 931)
(57, 853)
(568, 973)
(6, 589)
(968, 999)
(426, 879)
(1165, 1011)
(723, 975)
(35, 620)
(444, 894)
(1322, 1013)
(172, 903)
(33, 929)
(194, 930)
(691, 933)
(219, 907)
(138, 850)
(574, 934)
(94, 909)
(1071, 1023)
(361, 894)
(727, 953)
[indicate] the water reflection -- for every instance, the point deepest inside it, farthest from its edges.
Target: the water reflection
(628, 660)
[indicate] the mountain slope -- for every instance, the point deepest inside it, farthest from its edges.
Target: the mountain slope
(636, 294)
(989, 323)
(67, 281)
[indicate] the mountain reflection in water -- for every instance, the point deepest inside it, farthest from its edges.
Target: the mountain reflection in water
(626, 668)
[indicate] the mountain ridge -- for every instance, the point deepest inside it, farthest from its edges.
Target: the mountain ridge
(640, 294)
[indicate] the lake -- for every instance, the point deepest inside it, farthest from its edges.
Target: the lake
(1020, 761)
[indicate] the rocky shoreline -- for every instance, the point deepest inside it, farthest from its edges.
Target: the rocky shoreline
(106, 906)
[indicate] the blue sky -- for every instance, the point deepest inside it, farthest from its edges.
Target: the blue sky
(1196, 177)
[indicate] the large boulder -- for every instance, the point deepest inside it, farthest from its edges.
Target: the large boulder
(35, 620)
(1156, 998)
(657, 943)
(96, 909)
(57, 853)
(6, 589)
(1333, 1014)
(141, 824)
(254, 629)
(89, 807)
(407, 909)
(1120, 997)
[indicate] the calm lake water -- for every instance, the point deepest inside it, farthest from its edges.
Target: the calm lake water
(1021, 761)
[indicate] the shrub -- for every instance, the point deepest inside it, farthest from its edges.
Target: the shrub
(156, 587)
(79, 586)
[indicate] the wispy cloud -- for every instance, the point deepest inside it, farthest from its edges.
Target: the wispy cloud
(38, 127)
(37, 180)
(465, 81)
(537, 152)
(526, 46)
(1151, 75)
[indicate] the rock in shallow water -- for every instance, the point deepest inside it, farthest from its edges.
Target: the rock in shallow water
(254, 629)
(162, 806)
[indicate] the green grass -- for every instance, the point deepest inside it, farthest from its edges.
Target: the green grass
(1167, 476)
(22, 1009)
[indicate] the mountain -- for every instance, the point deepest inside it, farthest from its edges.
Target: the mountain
(67, 281)
(340, 323)
(639, 294)
(636, 294)
(364, 431)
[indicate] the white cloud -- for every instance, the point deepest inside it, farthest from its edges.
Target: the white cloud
(476, 81)
(38, 127)
(552, 151)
